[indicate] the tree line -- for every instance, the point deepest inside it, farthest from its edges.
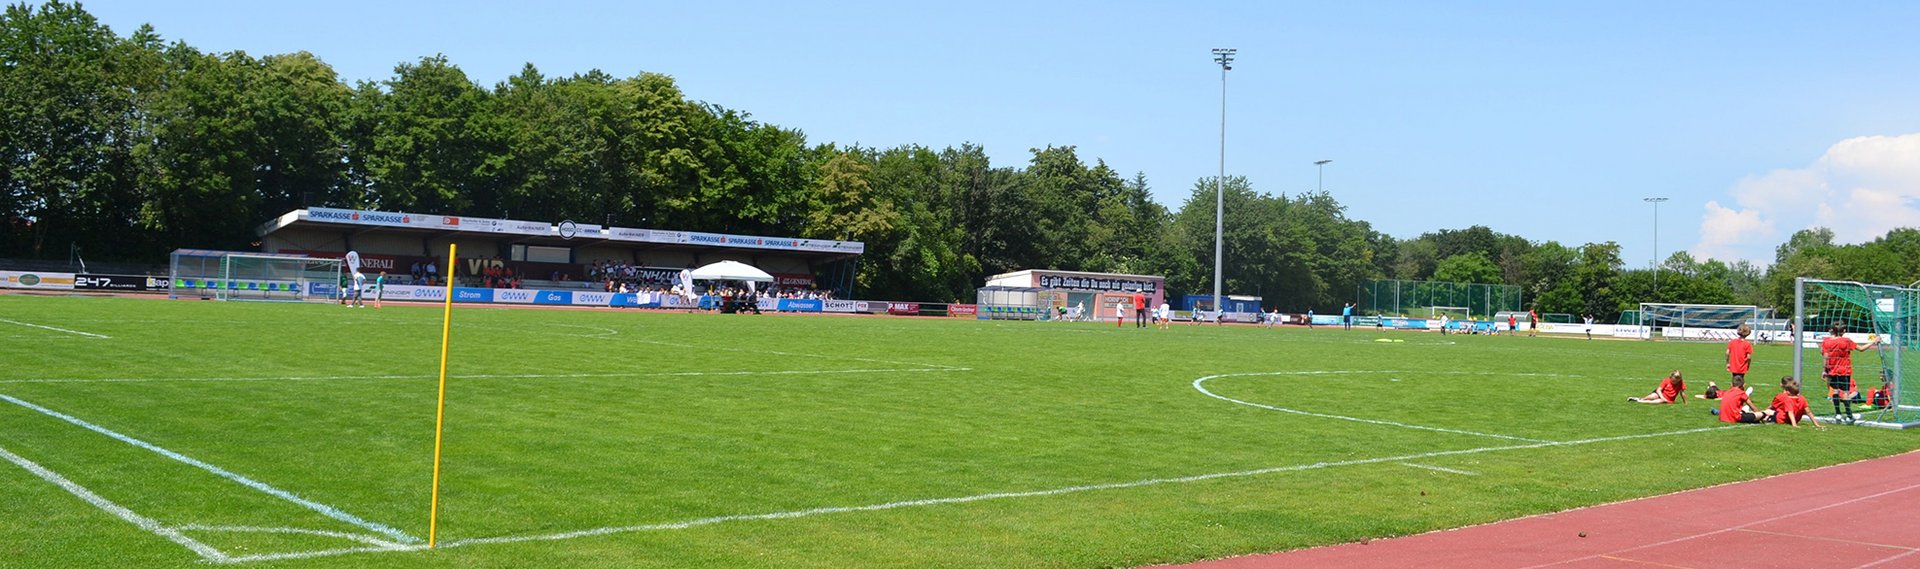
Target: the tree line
(128, 147)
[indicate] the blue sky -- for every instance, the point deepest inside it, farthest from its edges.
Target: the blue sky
(1550, 120)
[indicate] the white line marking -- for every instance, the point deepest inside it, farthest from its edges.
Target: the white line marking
(979, 497)
(205, 551)
(1734, 528)
(480, 376)
(1889, 559)
(87, 334)
(1441, 469)
(357, 537)
(1197, 384)
(323, 509)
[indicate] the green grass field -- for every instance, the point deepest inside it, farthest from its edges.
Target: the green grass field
(144, 433)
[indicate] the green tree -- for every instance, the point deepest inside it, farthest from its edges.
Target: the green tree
(1472, 267)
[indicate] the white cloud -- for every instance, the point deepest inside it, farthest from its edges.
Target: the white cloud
(1724, 229)
(1861, 188)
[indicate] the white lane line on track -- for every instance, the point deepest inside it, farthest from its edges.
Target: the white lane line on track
(1198, 385)
(87, 334)
(152, 526)
(1441, 469)
(479, 376)
(966, 499)
(322, 509)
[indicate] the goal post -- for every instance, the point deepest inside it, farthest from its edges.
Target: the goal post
(1887, 316)
(1707, 322)
(237, 275)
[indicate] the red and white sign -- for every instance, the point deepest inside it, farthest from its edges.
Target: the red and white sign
(903, 308)
(963, 309)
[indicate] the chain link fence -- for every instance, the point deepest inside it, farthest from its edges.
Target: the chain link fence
(1395, 297)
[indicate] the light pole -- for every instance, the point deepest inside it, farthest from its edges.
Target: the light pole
(1323, 173)
(1656, 244)
(1224, 57)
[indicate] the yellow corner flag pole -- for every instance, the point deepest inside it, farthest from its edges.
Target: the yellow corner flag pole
(440, 415)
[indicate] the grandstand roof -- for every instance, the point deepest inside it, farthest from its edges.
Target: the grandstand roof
(565, 234)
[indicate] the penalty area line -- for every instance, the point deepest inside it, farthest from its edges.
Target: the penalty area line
(322, 509)
(1440, 469)
(978, 497)
(205, 551)
(30, 325)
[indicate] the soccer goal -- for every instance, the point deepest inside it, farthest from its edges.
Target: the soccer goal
(1708, 322)
(236, 275)
(1887, 315)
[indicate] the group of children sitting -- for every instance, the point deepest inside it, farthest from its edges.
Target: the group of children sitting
(1789, 406)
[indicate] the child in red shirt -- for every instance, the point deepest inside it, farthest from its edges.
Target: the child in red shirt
(1672, 389)
(1789, 407)
(1881, 396)
(1740, 353)
(1734, 406)
(1839, 349)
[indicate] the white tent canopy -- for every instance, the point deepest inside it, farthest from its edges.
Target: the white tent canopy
(731, 271)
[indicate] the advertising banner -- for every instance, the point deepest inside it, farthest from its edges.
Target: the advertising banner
(593, 298)
(118, 282)
(553, 297)
(516, 296)
(909, 308)
(838, 306)
(1096, 284)
(35, 280)
(963, 309)
(462, 294)
(792, 280)
(798, 305)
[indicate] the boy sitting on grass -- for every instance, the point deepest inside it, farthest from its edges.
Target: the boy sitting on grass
(1789, 406)
(1734, 407)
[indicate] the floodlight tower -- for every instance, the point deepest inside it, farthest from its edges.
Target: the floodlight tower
(1224, 57)
(1656, 243)
(1323, 173)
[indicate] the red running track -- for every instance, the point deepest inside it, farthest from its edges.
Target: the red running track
(1862, 514)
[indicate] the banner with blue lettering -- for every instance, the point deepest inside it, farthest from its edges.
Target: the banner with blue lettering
(592, 298)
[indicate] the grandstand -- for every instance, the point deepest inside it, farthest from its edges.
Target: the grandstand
(547, 255)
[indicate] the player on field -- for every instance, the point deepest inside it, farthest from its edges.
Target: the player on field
(359, 289)
(1735, 407)
(1789, 407)
(1881, 396)
(1839, 349)
(1740, 353)
(1589, 321)
(1533, 323)
(1165, 316)
(1140, 309)
(379, 289)
(1346, 316)
(1513, 325)
(1672, 389)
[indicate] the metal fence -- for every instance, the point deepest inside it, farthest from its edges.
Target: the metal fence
(1394, 297)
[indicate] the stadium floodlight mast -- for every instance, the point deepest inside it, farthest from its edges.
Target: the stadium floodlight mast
(1224, 57)
(1322, 186)
(1656, 243)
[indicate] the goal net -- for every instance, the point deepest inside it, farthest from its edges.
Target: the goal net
(1708, 322)
(1886, 315)
(235, 275)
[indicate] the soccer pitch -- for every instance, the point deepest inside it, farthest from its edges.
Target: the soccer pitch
(177, 433)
